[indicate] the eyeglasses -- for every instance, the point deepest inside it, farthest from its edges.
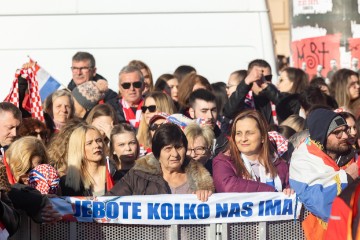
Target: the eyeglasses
(85, 69)
(338, 133)
(152, 108)
(127, 85)
(155, 126)
(268, 78)
(198, 150)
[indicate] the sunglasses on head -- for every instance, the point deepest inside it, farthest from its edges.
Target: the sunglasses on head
(127, 85)
(152, 108)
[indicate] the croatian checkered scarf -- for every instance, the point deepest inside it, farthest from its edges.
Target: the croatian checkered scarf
(280, 143)
(34, 95)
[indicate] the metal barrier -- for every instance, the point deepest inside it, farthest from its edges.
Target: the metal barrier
(84, 231)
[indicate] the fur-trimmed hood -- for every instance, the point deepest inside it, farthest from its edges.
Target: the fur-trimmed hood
(197, 175)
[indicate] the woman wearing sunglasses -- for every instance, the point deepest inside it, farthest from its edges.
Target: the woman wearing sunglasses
(35, 128)
(154, 103)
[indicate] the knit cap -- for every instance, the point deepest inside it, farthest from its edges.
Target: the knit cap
(321, 122)
(89, 93)
(335, 123)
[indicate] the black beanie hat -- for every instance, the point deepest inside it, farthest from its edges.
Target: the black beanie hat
(321, 122)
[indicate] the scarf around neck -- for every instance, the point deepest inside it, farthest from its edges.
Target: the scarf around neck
(264, 177)
(133, 119)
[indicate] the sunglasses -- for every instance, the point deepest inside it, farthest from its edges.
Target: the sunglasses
(152, 108)
(268, 78)
(127, 85)
(155, 126)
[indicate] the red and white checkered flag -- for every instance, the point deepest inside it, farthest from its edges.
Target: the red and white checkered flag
(35, 101)
(279, 142)
(13, 96)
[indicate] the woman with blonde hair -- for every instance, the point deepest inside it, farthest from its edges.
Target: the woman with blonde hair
(28, 162)
(25, 154)
(200, 143)
(86, 164)
(58, 146)
(344, 87)
(154, 103)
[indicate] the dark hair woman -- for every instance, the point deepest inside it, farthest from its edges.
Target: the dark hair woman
(167, 170)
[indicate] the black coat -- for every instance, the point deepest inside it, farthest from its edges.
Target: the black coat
(236, 103)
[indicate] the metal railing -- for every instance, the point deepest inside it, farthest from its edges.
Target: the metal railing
(290, 229)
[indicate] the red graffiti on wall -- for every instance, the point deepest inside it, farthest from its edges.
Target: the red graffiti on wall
(316, 51)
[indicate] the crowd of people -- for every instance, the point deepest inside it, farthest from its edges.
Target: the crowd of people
(179, 134)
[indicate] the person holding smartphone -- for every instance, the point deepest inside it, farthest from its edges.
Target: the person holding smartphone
(249, 93)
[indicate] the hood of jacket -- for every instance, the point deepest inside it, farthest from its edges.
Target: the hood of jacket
(197, 175)
(318, 123)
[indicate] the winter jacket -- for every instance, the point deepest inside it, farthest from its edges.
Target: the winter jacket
(286, 103)
(316, 178)
(344, 221)
(236, 103)
(221, 141)
(227, 180)
(68, 191)
(145, 178)
(29, 200)
(9, 216)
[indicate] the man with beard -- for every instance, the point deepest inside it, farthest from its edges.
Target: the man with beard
(314, 173)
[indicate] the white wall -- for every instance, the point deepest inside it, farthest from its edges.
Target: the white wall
(216, 37)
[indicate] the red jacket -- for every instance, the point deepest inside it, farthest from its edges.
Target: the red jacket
(344, 221)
